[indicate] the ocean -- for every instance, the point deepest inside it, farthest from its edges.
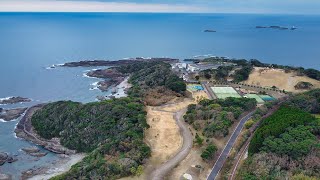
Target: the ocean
(31, 42)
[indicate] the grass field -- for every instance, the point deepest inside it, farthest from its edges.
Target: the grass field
(255, 96)
(224, 92)
(317, 116)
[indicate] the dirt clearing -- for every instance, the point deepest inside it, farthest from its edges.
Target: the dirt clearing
(266, 77)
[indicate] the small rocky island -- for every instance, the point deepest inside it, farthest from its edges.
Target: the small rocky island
(276, 27)
(209, 30)
(14, 100)
(11, 114)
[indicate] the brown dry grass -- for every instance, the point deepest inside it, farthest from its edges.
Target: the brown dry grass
(159, 96)
(266, 77)
(164, 137)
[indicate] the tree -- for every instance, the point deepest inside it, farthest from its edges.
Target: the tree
(199, 140)
(209, 152)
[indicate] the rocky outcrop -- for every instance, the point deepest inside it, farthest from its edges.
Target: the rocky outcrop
(106, 84)
(303, 85)
(105, 73)
(14, 100)
(11, 114)
(25, 130)
(4, 157)
(93, 63)
(32, 149)
(111, 77)
(5, 177)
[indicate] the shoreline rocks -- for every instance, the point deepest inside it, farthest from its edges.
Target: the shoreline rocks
(5, 157)
(32, 149)
(5, 177)
(24, 129)
(14, 100)
(11, 114)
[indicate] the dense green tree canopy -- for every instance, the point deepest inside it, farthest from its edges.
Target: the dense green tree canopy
(112, 128)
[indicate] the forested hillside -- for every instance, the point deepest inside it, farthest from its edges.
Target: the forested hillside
(110, 131)
(154, 81)
(216, 116)
(308, 101)
(286, 145)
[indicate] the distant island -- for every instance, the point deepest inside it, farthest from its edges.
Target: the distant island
(276, 27)
(209, 30)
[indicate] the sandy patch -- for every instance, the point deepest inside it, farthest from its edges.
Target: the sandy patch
(163, 136)
(277, 77)
(122, 87)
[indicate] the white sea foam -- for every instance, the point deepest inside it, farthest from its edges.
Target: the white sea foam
(93, 88)
(86, 76)
(1, 120)
(6, 98)
(95, 83)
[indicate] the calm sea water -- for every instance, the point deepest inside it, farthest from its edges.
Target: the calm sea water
(30, 42)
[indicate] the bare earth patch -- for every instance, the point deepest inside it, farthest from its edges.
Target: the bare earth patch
(266, 77)
(164, 137)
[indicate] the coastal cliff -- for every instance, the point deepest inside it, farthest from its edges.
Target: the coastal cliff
(24, 129)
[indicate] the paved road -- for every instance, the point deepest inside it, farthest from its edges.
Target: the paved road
(165, 168)
(224, 154)
(208, 90)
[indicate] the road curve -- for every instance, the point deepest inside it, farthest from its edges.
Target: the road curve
(164, 169)
(224, 154)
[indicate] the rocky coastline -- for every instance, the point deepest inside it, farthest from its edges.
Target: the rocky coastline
(14, 100)
(93, 63)
(111, 78)
(11, 114)
(25, 130)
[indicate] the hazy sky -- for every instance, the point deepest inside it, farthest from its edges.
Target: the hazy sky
(206, 6)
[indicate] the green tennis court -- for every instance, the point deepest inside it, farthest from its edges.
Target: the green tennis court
(225, 92)
(255, 96)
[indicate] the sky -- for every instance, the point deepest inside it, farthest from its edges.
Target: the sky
(179, 6)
